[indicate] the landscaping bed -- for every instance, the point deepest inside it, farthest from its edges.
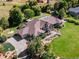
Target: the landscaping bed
(67, 45)
(72, 20)
(7, 47)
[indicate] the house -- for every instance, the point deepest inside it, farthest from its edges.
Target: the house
(36, 27)
(74, 11)
(40, 1)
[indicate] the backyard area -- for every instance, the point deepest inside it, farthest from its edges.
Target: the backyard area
(67, 45)
(4, 10)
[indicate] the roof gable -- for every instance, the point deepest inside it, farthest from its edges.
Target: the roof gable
(34, 27)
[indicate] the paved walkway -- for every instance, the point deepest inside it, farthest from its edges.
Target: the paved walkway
(20, 46)
(49, 38)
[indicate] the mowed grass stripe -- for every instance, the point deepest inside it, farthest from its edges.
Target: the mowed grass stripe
(67, 45)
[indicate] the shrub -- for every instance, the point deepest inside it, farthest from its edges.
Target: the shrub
(42, 35)
(70, 20)
(57, 25)
(58, 5)
(55, 13)
(61, 13)
(76, 23)
(1, 30)
(33, 2)
(4, 23)
(46, 55)
(15, 6)
(46, 8)
(15, 57)
(23, 7)
(73, 21)
(2, 39)
(29, 37)
(16, 17)
(3, 4)
(37, 10)
(29, 13)
(43, 8)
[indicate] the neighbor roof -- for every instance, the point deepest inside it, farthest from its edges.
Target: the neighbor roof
(76, 9)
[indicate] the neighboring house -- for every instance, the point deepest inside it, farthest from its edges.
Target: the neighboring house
(74, 11)
(35, 27)
(15, 0)
(40, 1)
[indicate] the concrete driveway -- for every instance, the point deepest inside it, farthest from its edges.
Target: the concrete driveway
(20, 46)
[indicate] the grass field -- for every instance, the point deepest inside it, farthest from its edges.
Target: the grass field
(4, 10)
(67, 45)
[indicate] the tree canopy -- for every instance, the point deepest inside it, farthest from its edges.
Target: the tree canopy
(16, 16)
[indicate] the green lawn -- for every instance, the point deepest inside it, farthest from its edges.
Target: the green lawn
(67, 45)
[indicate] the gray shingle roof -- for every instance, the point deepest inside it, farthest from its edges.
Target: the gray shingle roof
(34, 27)
(76, 9)
(51, 19)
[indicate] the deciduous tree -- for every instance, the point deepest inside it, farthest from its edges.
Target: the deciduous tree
(16, 17)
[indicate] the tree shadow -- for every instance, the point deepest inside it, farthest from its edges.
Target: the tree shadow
(17, 37)
(22, 54)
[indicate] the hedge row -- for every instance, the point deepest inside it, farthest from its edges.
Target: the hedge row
(73, 21)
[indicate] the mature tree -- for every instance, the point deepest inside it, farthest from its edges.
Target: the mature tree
(47, 56)
(1, 30)
(29, 13)
(26, 6)
(55, 13)
(61, 13)
(71, 3)
(4, 23)
(35, 48)
(16, 17)
(37, 10)
(57, 26)
(2, 39)
(33, 2)
(1, 49)
(46, 8)
(29, 37)
(58, 5)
